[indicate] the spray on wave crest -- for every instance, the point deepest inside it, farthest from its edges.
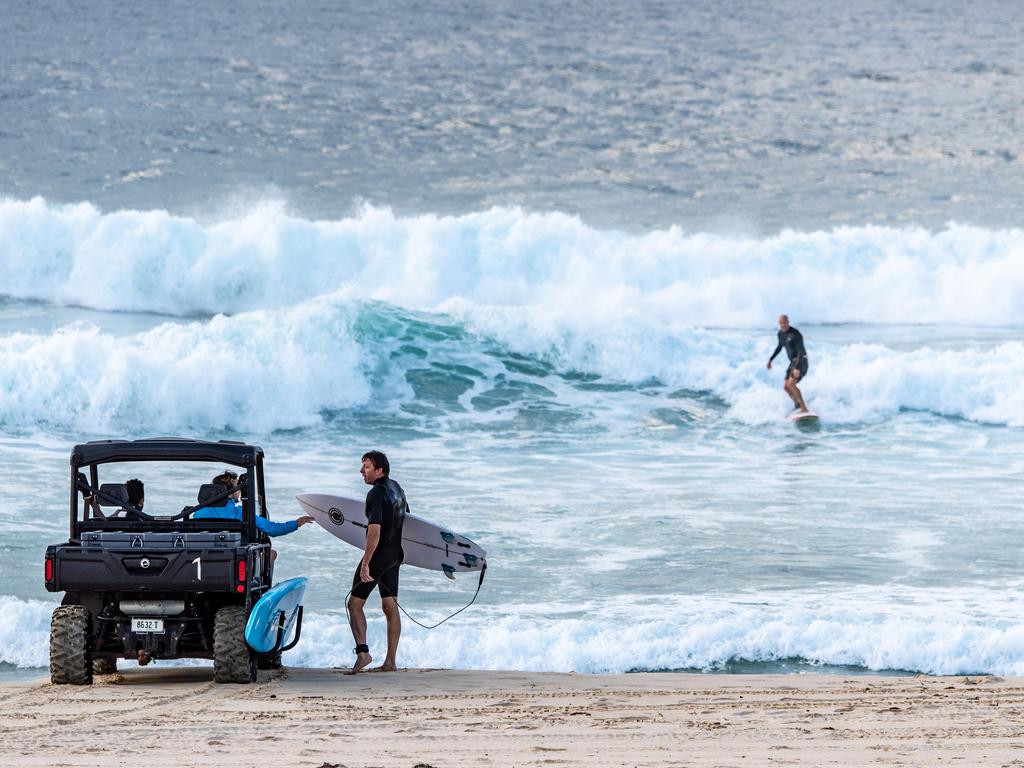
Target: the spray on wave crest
(504, 257)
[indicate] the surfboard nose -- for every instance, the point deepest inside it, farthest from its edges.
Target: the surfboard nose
(314, 501)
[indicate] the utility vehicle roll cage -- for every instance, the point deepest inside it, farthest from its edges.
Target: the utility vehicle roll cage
(248, 458)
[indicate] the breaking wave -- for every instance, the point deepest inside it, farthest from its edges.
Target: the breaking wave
(937, 637)
(480, 314)
(157, 262)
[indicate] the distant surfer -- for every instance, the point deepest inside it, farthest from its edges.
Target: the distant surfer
(386, 508)
(793, 341)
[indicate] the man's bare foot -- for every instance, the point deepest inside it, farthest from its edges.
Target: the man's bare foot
(384, 668)
(362, 661)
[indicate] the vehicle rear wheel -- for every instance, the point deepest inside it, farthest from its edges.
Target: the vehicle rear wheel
(104, 666)
(233, 660)
(70, 650)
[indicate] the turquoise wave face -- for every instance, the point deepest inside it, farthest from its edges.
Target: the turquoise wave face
(498, 320)
(333, 359)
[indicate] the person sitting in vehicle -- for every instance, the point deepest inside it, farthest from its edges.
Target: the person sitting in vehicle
(136, 493)
(231, 509)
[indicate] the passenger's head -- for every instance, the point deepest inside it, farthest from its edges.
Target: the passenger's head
(783, 323)
(375, 466)
(136, 492)
(227, 478)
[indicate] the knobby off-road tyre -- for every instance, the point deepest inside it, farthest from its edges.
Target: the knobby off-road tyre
(104, 666)
(70, 649)
(273, 661)
(233, 660)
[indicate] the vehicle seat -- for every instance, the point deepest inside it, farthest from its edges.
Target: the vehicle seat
(208, 491)
(117, 490)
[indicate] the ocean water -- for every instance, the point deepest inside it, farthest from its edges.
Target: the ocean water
(535, 253)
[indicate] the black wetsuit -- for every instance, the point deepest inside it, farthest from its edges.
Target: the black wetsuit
(385, 506)
(793, 342)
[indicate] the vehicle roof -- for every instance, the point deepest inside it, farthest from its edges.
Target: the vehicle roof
(165, 449)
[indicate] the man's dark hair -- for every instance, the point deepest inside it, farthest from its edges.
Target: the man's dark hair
(136, 491)
(379, 460)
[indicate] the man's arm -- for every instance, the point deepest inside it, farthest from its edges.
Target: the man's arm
(776, 352)
(372, 540)
(271, 528)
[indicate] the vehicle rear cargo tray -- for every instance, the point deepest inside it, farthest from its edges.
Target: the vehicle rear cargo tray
(152, 540)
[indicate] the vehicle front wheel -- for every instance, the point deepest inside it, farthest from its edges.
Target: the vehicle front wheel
(233, 660)
(70, 650)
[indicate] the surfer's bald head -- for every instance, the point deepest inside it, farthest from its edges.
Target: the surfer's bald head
(784, 322)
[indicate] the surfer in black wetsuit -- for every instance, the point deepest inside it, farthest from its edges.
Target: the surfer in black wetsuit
(793, 341)
(386, 508)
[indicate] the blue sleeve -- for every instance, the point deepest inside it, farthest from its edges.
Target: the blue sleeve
(229, 511)
(271, 528)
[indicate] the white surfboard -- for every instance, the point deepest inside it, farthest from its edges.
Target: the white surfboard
(804, 418)
(425, 544)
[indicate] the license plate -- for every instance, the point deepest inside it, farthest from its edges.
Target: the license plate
(147, 625)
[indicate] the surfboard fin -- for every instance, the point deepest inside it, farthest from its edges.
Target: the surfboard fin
(449, 571)
(448, 536)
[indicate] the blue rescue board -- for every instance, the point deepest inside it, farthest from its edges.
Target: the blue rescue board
(274, 615)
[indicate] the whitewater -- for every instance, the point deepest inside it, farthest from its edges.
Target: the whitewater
(590, 404)
(340, 304)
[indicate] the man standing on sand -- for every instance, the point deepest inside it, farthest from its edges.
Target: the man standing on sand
(793, 341)
(386, 509)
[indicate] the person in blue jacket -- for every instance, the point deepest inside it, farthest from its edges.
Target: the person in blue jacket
(232, 510)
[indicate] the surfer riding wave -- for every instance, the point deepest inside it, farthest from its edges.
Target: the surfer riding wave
(792, 341)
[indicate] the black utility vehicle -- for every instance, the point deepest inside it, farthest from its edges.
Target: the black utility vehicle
(158, 586)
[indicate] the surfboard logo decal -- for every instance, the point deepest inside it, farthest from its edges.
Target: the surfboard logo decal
(336, 517)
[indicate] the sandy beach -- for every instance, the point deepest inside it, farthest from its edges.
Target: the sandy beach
(321, 718)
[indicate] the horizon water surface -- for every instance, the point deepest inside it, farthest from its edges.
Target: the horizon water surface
(545, 283)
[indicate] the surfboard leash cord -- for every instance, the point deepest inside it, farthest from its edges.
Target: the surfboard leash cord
(479, 584)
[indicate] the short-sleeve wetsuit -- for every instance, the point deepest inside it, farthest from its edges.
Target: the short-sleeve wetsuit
(385, 506)
(793, 342)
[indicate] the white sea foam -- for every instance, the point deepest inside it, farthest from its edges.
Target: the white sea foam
(938, 636)
(154, 261)
(258, 370)
(629, 308)
(24, 632)
(283, 368)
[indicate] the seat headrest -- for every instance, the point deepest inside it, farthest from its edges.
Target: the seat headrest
(209, 490)
(117, 490)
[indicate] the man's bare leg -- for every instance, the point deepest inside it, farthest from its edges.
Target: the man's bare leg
(357, 621)
(793, 391)
(391, 613)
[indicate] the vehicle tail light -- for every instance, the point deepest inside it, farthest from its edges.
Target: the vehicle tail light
(241, 571)
(240, 588)
(49, 569)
